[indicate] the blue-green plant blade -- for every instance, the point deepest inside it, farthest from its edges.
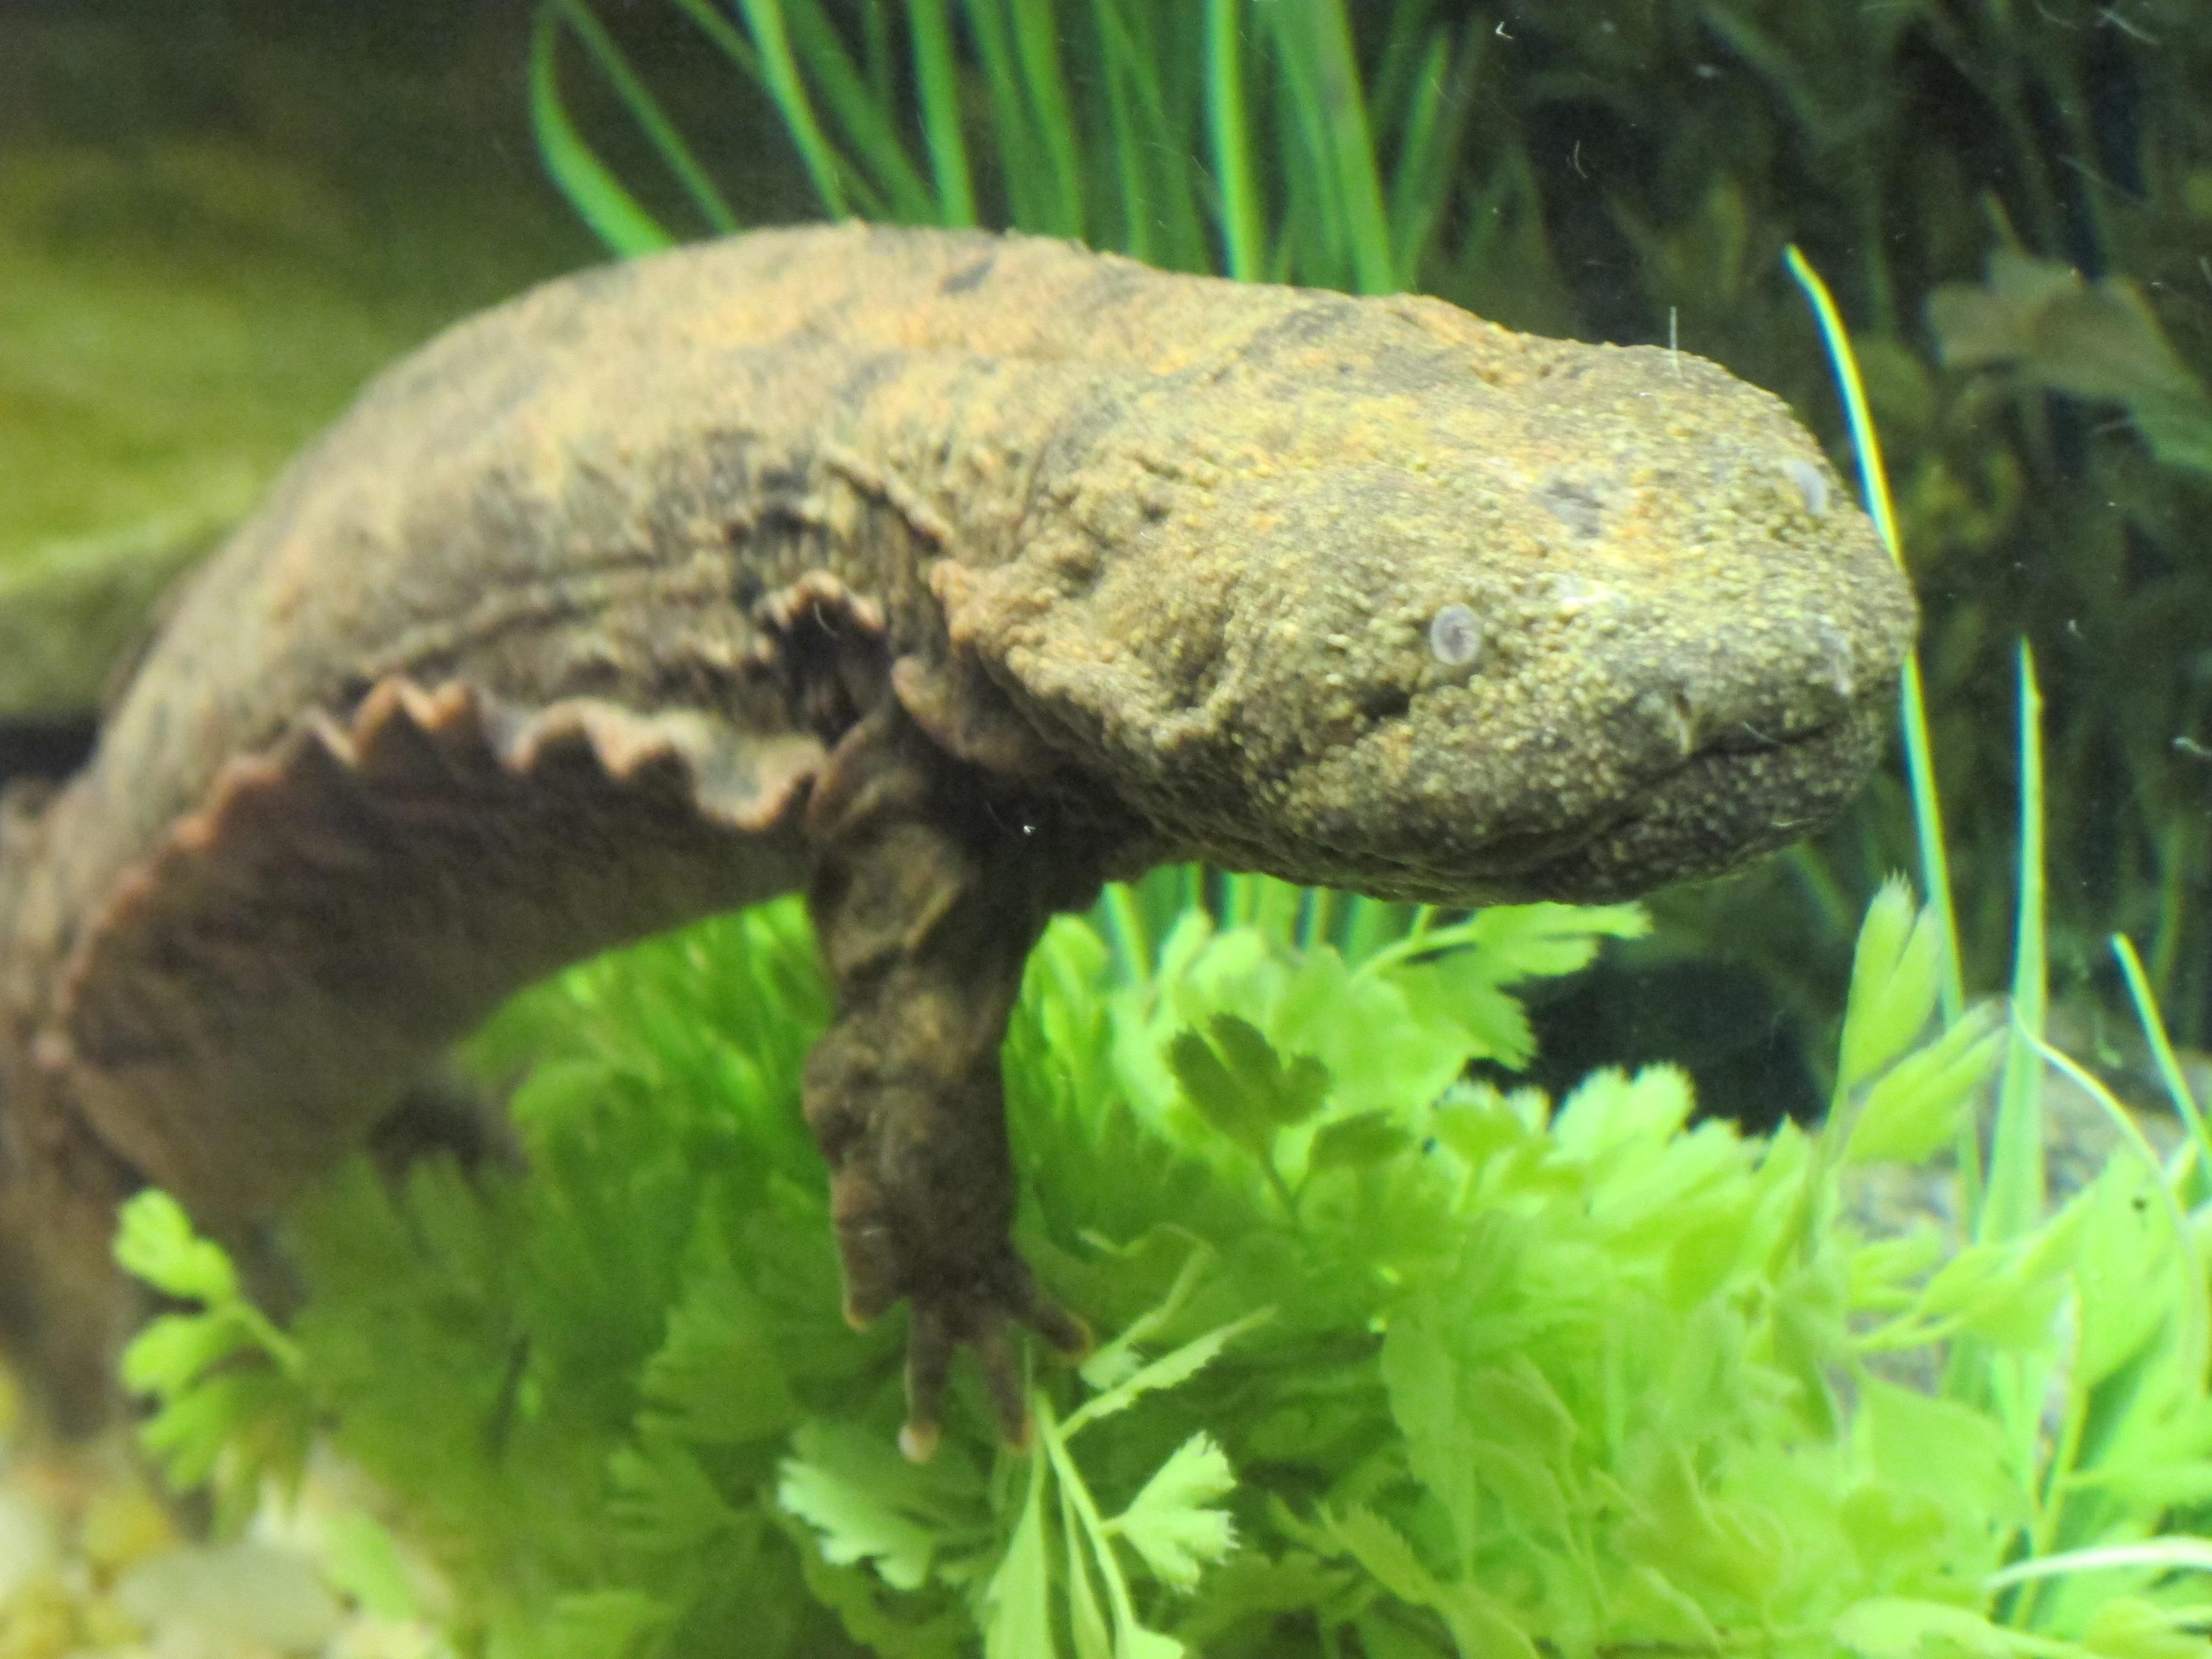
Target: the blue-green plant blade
(1421, 179)
(876, 41)
(780, 68)
(1037, 44)
(1324, 81)
(1316, 246)
(2161, 1048)
(1919, 749)
(732, 44)
(1390, 88)
(1229, 135)
(652, 121)
(2015, 1199)
(1170, 59)
(937, 78)
(614, 215)
(1123, 70)
(864, 115)
(1030, 201)
(726, 38)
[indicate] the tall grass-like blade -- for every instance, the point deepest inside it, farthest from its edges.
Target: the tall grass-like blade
(1275, 910)
(2014, 1203)
(1030, 185)
(1390, 89)
(1371, 925)
(651, 120)
(732, 44)
(1125, 930)
(764, 18)
(1317, 924)
(1230, 134)
(1424, 106)
(1919, 750)
(937, 78)
(727, 38)
(1122, 68)
(1239, 898)
(1037, 44)
(1315, 246)
(2012, 1200)
(1420, 181)
(876, 34)
(1334, 113)
(865, 116)
(2161, 1048)
(1167, 44)
(614, 215)
(1157, 150)
(2178, 861)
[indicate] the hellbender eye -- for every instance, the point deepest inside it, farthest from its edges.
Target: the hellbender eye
(1455, 636)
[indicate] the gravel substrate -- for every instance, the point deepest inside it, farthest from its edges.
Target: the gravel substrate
(92, 1562)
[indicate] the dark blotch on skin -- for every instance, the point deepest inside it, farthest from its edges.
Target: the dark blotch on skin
(1574, 505)
(968, 278)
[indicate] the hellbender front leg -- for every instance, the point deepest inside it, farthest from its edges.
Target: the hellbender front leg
(928, 889)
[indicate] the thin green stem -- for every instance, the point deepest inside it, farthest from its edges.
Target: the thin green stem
(1132, 943)
(1275, 910)
(1077, 1492)
(614, 215)
(1348, 145)
(727, 38)
(1123, 70)
(1419, 939)
(876, 34)
(645, 109)
(1019, 147)
(781, 70)
(1919, 747)
(2015, 1199)
(1036, 42)
(865, 117)
(1228, 129)
(2161, 1048)
(1320, 917)
(937, 80)
(1418, 187)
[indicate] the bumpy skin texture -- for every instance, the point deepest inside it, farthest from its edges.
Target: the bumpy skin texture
(941, 576)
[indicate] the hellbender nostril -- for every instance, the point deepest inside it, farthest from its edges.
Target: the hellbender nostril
(1835, 667)
(1812, 486)
(1670, 712)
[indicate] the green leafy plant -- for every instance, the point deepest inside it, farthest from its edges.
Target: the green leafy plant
(1453, 1373)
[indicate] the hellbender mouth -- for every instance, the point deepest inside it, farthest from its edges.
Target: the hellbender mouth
(1719, 809)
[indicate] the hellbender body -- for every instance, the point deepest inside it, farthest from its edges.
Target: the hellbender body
(939, 575)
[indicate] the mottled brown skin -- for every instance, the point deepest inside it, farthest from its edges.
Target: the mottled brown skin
(938, 575)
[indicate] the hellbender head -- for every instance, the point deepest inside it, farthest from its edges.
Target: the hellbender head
(1394, 600)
